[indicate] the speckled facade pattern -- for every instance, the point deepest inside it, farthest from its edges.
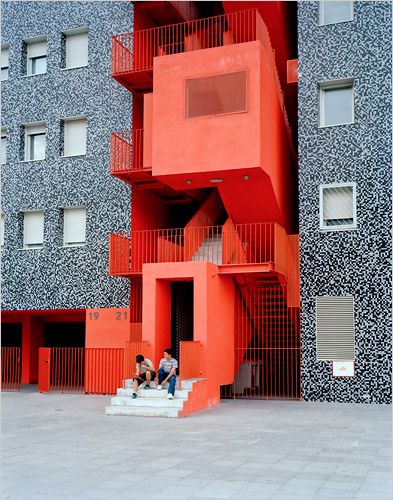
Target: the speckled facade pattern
(356, 262)
(56, 277)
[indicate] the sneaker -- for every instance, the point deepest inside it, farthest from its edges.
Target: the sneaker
(159, 387)
(134, 395)
(170, 396)
(147, 386)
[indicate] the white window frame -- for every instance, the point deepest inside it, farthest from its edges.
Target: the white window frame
(347, 227)
(331, 85)
(5, 60)
(322, 13)
(32, 246)
(66, 122)
(71, 33)
(3, 136)
(2, 228)
(68, 244)
(33, 129)
(36, 48)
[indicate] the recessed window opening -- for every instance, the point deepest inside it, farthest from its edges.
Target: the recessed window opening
(76, 48)
(33, 229)
(337, 11)
(336, 103)
(74, 136)
(335, 328)
(215, 95)
(35, 141)
(74, 226)
(36, 56)
(338, 206)
(4, 62)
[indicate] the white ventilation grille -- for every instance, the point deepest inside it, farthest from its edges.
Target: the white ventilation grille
(335, 329)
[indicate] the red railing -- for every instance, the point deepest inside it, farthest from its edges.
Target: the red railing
(135, 51)
(126, 148)
(267, 345)
(256, 243)
(10, 368)
(104, 370)
(67, 367)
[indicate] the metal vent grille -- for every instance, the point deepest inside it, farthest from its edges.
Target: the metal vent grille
(335, 329)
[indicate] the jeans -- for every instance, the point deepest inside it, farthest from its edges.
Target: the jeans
(172, 381)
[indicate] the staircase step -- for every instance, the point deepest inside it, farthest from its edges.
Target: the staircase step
(153, 393)
(147, 402)
(142, 412)
(185, 385)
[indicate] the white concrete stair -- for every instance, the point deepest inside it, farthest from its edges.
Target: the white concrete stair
(149, 402)
(209, 251)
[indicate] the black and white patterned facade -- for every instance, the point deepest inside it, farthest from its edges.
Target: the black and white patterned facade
(355, 262)
(57, 277)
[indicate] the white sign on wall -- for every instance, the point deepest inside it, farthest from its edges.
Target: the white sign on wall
(343, 369)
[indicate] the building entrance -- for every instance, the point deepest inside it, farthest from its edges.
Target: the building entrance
(182, 322)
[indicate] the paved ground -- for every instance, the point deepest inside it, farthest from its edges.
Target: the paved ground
(63, 447)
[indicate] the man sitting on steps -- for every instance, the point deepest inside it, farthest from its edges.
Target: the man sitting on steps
(145, 371)
(167, 373)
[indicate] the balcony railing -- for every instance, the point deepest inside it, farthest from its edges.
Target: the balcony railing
(126, 149)
(231, 244)
(133, 52)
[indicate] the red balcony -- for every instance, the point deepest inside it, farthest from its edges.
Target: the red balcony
(133, 53)
(126, 150)
(228, 246)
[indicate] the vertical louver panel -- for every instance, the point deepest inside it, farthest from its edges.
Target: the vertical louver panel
(335, 329)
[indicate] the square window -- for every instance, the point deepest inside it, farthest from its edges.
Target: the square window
(3, 146)
(33, 229)
(74, 136)
(36, 56)
(335, 11)
(336, 103)
(74, 226)
(4, 62)
(338, 206)
(76, 48)
(216, 95)
(35, 141)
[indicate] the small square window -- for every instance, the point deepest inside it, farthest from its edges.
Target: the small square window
(3, 146)
(336, 103)
(36, 56)
(216, 95)
(76, 48)
(33, 229)
(335, 11)
(4, 62)
(338, 206)
(35, 141)
(74, 226)
(74, 136)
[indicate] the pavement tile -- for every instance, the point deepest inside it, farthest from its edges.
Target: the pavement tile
(287, 450)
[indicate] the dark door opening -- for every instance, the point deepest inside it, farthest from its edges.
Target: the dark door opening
(64, 334)
(11, 335)
(182, 323)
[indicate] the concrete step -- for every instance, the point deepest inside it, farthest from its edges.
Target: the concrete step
(153, 393)
(147, 402)
(186, 384)
(142, 412)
